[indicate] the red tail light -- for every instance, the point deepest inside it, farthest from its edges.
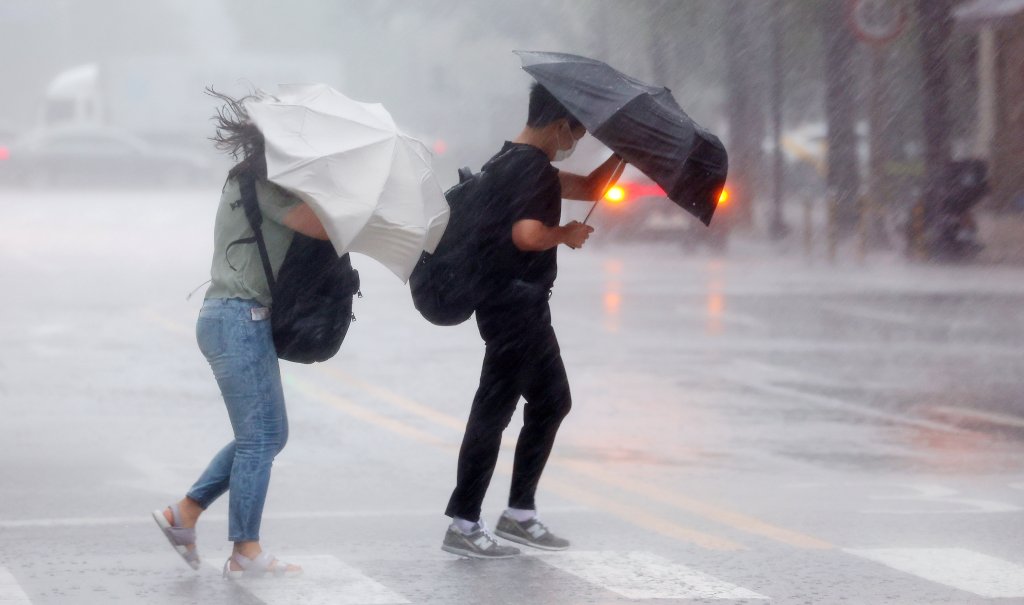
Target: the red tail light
(624, 192)
(5, 154)
(616, 195)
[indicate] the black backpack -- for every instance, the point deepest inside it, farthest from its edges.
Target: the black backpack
(445, 285)
(312, 294)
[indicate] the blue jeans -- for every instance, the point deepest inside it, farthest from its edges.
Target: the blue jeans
(241, 352)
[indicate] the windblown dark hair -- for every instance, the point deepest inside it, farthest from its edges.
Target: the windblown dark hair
(545, 109)
(238, 135)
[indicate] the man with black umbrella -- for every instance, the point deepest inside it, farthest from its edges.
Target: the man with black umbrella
(522, 357)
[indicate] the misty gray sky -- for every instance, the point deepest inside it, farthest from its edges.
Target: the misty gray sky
(443, 67)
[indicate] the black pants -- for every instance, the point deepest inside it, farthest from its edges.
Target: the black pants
(522, 358)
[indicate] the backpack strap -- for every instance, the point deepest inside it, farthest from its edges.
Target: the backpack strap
(247, 185)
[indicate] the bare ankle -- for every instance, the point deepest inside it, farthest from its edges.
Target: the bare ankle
(249, 550)
(190, 511)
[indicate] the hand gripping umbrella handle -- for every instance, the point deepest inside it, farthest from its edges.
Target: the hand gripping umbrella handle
(604, 190)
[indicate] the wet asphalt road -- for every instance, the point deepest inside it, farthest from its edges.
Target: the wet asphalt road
(749, 429)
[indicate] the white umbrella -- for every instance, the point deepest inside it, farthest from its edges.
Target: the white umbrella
(371, 185)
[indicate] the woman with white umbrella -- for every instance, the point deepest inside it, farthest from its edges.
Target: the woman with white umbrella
(234, 334)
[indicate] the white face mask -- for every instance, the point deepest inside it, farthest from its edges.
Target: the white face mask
(563, 154)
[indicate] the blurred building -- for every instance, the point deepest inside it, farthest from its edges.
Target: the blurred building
(999, 25)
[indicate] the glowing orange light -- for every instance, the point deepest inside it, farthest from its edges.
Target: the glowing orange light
(615, 195)
(723, 198)
(4, 154)
(612, 303)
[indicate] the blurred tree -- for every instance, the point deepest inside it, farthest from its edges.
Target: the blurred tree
(685, 54)
(804, 64)
(746, 102)
(841, 112)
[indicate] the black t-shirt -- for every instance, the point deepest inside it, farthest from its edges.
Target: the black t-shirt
(524, 185)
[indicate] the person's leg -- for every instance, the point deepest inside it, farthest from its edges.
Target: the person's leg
(493, 406)
(492, 409)
(214, 481)
(242, 355)
(548, 401)
(256, 407)
(210, 486)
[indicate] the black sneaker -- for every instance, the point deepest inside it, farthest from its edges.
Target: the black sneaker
(531, 533)
(479, 544)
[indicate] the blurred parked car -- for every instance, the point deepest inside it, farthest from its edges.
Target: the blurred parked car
(98, 156)
(637, 209)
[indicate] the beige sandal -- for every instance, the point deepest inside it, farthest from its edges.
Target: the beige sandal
(263, 565)
(179, 537)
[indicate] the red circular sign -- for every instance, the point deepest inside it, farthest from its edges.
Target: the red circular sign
(876, 21)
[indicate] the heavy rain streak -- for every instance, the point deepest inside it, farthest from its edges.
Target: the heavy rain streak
(472, 302)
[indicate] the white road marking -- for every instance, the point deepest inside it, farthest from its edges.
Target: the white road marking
(956, 567)
(939, 500)
(325, 580)
(970, 414)
(48, 330)
(734, 375)
(692, 313)
(146, 519)
(873, 314)
(152, 474)
(643, 575)
(10, 591)
(774, 372)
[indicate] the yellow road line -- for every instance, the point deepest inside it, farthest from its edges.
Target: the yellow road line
(740, 521)
(642, 518)
(627, 513)
(367, 415)
(713, 512)
(414, 407)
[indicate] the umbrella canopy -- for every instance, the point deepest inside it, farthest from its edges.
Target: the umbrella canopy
(371, 185)
(641, 123)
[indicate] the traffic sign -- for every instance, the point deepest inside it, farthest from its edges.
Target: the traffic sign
(876, 21)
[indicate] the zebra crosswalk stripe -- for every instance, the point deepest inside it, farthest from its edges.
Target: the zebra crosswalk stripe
(960, 568)
(10, 591)
(643, 575)
(326, 580)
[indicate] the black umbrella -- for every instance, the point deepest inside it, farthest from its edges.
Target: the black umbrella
(641, 123)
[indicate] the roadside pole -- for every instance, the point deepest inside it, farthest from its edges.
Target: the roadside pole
(876, 23)
(873, 206)
(778, 228)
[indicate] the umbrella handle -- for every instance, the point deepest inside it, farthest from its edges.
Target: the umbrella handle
(604, 190)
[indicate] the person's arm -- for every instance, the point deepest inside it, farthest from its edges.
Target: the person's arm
(590, 188)
(530, 235)
(303, 220)
(286, 209)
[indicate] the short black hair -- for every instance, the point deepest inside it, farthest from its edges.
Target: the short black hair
(545, 109)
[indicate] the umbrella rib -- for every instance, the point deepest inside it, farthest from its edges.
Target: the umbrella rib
(336, 117)
(384, 185)
(309, 161)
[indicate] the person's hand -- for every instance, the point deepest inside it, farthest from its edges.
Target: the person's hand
(576, 234)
